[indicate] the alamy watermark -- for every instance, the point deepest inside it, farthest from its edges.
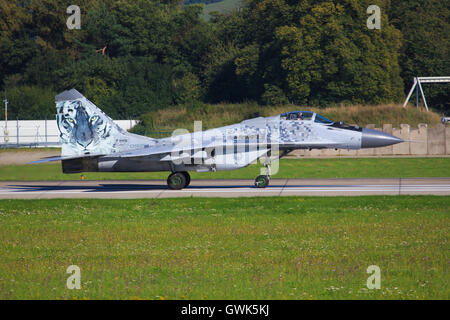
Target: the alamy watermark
(74, 280)
(74, 20)
(374, 281)
(374, 20)
(230, 147)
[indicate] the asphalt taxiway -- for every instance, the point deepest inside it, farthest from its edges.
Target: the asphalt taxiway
(121, 189)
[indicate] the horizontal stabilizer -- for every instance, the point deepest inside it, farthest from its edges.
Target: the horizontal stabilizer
(52, 159)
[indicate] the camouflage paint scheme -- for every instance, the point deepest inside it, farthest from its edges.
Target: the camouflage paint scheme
(89, 134)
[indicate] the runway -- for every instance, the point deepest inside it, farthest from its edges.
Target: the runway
(222, 188)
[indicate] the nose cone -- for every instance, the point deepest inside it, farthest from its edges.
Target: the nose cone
(374, 138)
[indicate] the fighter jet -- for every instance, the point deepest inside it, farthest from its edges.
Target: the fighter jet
(91, 141)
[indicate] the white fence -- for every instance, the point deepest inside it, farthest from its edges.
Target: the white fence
(39, 133)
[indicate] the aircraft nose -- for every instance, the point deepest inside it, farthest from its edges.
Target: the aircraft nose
(374, 138)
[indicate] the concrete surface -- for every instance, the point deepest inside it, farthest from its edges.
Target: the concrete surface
(221, 188)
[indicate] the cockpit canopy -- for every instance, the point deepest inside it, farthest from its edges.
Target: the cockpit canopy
(305, 116)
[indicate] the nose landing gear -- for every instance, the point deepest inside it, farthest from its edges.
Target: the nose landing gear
(178, 180)
(262, 181)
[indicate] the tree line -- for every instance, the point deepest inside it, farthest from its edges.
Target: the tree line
(187, 2)
(135, 56)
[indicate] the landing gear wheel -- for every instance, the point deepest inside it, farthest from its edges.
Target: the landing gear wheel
(177, 181)
(188, 178)
(261, 181)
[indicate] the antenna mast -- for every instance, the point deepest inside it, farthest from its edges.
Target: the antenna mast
(6, 121)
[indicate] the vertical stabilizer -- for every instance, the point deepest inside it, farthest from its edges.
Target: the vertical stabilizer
(83, 128)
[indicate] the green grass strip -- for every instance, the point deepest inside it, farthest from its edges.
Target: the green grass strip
(257, 248)
(288, 168)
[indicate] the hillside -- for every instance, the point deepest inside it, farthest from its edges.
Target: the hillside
(163, 122)
(222, 7)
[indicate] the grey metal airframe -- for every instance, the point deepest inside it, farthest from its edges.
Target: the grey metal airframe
(91, 141)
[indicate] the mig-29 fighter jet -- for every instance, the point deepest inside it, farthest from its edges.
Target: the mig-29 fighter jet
(91, 141)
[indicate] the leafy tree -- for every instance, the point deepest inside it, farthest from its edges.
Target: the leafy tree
(30, 102)
(220, 74)
(137, 56)
(323, 52)
(425, 50)
(187, 89)
(17, 46)
(273, 96)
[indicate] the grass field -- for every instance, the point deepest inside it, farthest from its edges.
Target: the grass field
(260, 248)
(288, 168)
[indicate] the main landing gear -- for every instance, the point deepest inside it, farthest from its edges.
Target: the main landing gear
(178, 180)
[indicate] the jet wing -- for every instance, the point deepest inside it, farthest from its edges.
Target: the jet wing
(170, 152)
(166, 152)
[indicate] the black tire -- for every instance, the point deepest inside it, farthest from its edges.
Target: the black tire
(261, 181)
(176, 181)
(188, 178)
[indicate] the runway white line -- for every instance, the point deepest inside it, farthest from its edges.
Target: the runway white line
(287, 189)
(220, 188)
